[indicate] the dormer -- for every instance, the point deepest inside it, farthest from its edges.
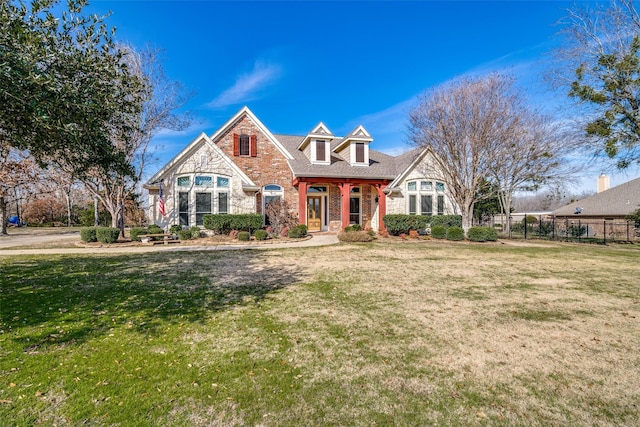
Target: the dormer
(316, 145)
(354, 148)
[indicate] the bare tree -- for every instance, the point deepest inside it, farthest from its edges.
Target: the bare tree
(530, 156)
(599, 66)
(465, 124)
(160, 98)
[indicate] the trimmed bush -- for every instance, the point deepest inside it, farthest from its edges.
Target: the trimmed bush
(261, 234)
(482, 234)
(88, 234)
(355, 236)
(184, 234)
(136, 232)
(439, 231)
(244, 236)
(298, 231)
(155, 229)
(224, 223)
(175, 228)
(195, 232)
(107, 234)
(397, 224)
(352, 227)
(455, 233)
(446, 220)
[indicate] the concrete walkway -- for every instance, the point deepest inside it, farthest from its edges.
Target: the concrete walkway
(315, 240)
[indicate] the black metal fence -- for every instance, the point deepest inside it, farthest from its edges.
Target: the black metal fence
(574, 230)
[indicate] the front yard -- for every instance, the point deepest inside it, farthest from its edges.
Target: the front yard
(425, 333)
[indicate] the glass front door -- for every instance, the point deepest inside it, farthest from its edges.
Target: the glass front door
(314, 213)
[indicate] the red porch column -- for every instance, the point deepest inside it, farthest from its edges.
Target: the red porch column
(345, 192)
(382, 207)
(302, 202)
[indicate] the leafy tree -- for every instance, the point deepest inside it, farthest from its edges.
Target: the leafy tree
(488, 203)
(602, 69)
(64, 86)
(635, 217)
(16, 169)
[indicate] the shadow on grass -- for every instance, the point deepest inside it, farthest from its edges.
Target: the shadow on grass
(64, 300)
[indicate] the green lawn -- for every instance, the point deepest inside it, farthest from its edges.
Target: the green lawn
(385, 333)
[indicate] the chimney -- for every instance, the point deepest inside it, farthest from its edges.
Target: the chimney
(603, 183)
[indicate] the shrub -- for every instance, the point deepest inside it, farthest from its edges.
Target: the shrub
(175, 228)
(397, 224)
(446, 221)
(107, 234)
(260, 234)
(352, 227)
(184, 234)
(224, 223)
(298, 231)
(88, 234)
(155, 229)
(455, 233)
(136, 232)
(195, 231)
(244, 236)
(439, 231)
(530, 220)
(355, 236)
(482, 234)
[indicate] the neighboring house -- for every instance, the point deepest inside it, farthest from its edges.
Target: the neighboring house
(329, 182)
(608, 204)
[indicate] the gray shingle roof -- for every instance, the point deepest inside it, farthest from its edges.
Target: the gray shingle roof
(617, 201)
(381, 166)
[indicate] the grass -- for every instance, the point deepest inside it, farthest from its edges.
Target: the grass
(376, 334)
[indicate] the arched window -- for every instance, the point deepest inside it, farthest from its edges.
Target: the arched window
(270, 193)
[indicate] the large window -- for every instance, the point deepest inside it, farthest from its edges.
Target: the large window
(183, 208)
(420, 198)
(270, 193)
(203, 206)
(223, 203)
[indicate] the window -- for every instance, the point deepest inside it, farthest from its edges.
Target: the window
(204, 181)
(411, 186)
(426, 205)
(440, 205)
(184, 181)
(359, 152)
(321, 151)
(203, 206)
(426, 185)
(183, 208)
(223, 182)
(412, 204)
(270, 193)
(245, 146)
(223, 203)
(439, 186)
(317, 189)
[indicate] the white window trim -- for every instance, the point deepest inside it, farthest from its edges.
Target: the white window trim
(419, 193)
(352, 154)
(327, 153)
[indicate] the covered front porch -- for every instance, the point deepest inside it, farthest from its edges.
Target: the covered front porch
(331, 204)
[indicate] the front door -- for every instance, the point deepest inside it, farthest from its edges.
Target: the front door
(314, 213)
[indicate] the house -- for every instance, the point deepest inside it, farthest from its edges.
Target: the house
(608, 204)
(329, 181)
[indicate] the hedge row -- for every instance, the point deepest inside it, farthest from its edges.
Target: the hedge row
(99, 234)
(397, 224)
(482, 234)
(224, 223)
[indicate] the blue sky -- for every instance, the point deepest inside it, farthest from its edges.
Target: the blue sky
(296, 63)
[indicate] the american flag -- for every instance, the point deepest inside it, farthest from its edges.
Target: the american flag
(161, 203)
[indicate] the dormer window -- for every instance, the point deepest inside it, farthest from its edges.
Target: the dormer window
(320, 150)
(359, 152)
